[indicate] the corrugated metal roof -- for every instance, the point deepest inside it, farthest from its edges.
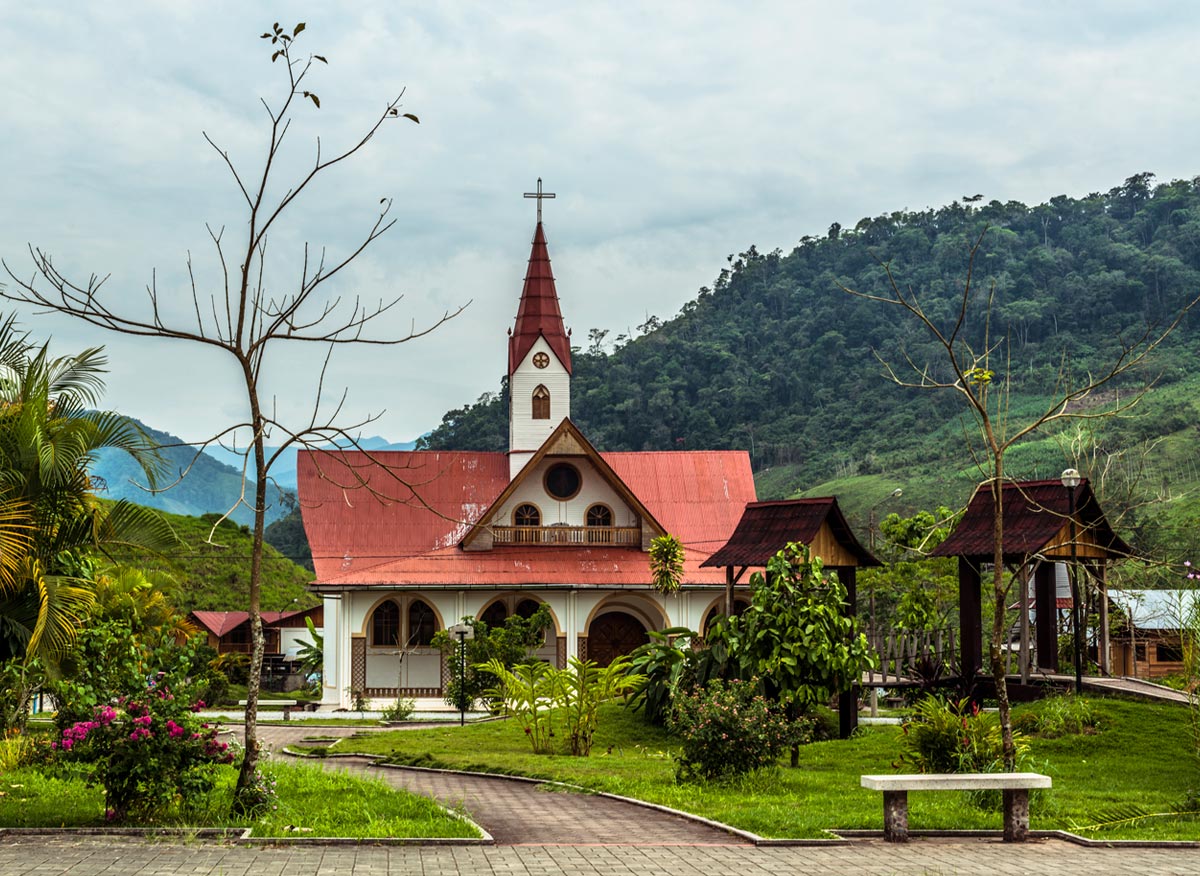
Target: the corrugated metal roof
(538, 313)
(219, 623)
(359, 539)
(1034, 513)
(1158, 609)
(766, 527)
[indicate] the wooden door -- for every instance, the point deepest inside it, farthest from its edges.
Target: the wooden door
(614, 634)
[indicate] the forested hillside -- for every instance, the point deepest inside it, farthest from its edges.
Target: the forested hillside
(777, 359)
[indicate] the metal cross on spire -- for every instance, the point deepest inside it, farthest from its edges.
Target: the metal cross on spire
(539, 195)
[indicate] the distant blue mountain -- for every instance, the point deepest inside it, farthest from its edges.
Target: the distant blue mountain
(283, 472)
(210, 486)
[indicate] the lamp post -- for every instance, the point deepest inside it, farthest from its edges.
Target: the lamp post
(1071, 480)
(894, 494)
(464, 632)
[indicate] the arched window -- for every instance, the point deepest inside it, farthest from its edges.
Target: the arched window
(385, 625)
(527, 607)
(599, 520)
(527, 515)
(541, 403)
(495, 615)
(422, 624)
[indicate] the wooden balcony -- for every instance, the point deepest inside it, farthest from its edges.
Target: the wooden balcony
(579, 535)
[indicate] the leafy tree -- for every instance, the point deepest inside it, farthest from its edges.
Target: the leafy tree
(795, 635)
(49, 435)
(249, 315)
(911, 591)
(312, 654)
(508, 645)
(666, 563)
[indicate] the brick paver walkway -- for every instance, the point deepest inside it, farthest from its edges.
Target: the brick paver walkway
(542, 833)
(515, 812)
(115, 856)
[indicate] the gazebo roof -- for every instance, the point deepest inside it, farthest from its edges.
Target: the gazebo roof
(767, 527)
(1036, 520)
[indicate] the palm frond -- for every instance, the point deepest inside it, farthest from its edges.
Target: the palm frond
(1128, 815)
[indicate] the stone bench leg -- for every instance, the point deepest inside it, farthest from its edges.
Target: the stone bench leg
(895, 816)
(1016, 815)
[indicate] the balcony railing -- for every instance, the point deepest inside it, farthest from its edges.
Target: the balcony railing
(613, 535)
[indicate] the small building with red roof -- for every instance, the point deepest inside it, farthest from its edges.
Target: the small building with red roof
(406, 543)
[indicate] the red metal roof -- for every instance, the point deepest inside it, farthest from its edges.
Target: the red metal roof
(538, 314)
(220, 623)
(1034, 513)
(411, 537)
(766, 527)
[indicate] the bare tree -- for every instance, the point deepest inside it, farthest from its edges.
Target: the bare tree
(242, 320)
(966, 364)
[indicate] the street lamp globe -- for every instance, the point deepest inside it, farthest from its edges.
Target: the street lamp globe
(1071, 478)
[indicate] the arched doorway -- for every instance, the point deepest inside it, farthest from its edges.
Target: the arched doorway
(613, 634)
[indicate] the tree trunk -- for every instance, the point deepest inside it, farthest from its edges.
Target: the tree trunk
(245, 781)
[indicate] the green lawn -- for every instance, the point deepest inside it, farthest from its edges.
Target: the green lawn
(1142, 755)
(312, 802)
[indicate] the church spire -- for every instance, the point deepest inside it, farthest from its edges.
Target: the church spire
(539, 357)
(538, 313)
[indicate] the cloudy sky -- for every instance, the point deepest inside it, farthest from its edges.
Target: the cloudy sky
(673, 134)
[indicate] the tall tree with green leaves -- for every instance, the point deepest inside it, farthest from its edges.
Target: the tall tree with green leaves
(49, 435)
(257, 307)
(795, 636)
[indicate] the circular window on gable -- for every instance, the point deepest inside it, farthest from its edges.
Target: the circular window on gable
(563, 481)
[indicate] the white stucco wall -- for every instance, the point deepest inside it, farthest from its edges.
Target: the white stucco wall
(572, 610)
(525, 434)
(572, 512)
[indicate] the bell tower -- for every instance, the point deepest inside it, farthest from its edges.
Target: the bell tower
(539, 356)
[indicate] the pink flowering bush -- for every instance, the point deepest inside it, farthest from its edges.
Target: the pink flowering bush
(729, 730)
(147, 752)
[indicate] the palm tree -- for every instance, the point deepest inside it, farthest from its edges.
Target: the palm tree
(51, 520)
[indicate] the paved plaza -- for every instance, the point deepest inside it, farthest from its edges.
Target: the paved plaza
(540, 832)
(117, 856)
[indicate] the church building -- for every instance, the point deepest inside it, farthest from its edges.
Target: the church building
(407, 543)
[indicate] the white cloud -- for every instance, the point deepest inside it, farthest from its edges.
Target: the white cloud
(673, 133)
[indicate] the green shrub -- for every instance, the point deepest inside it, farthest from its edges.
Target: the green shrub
(212, 688)
(953, 737)
(660, 662)
(146, 752)
(728, 730)
(21, 749)
(401, 710)
(1065, 715)
(825, 723)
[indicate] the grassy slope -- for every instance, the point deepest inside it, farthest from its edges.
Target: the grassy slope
(216, 576)
(1091, 773)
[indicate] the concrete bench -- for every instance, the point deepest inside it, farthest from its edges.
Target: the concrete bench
(1015, 786)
